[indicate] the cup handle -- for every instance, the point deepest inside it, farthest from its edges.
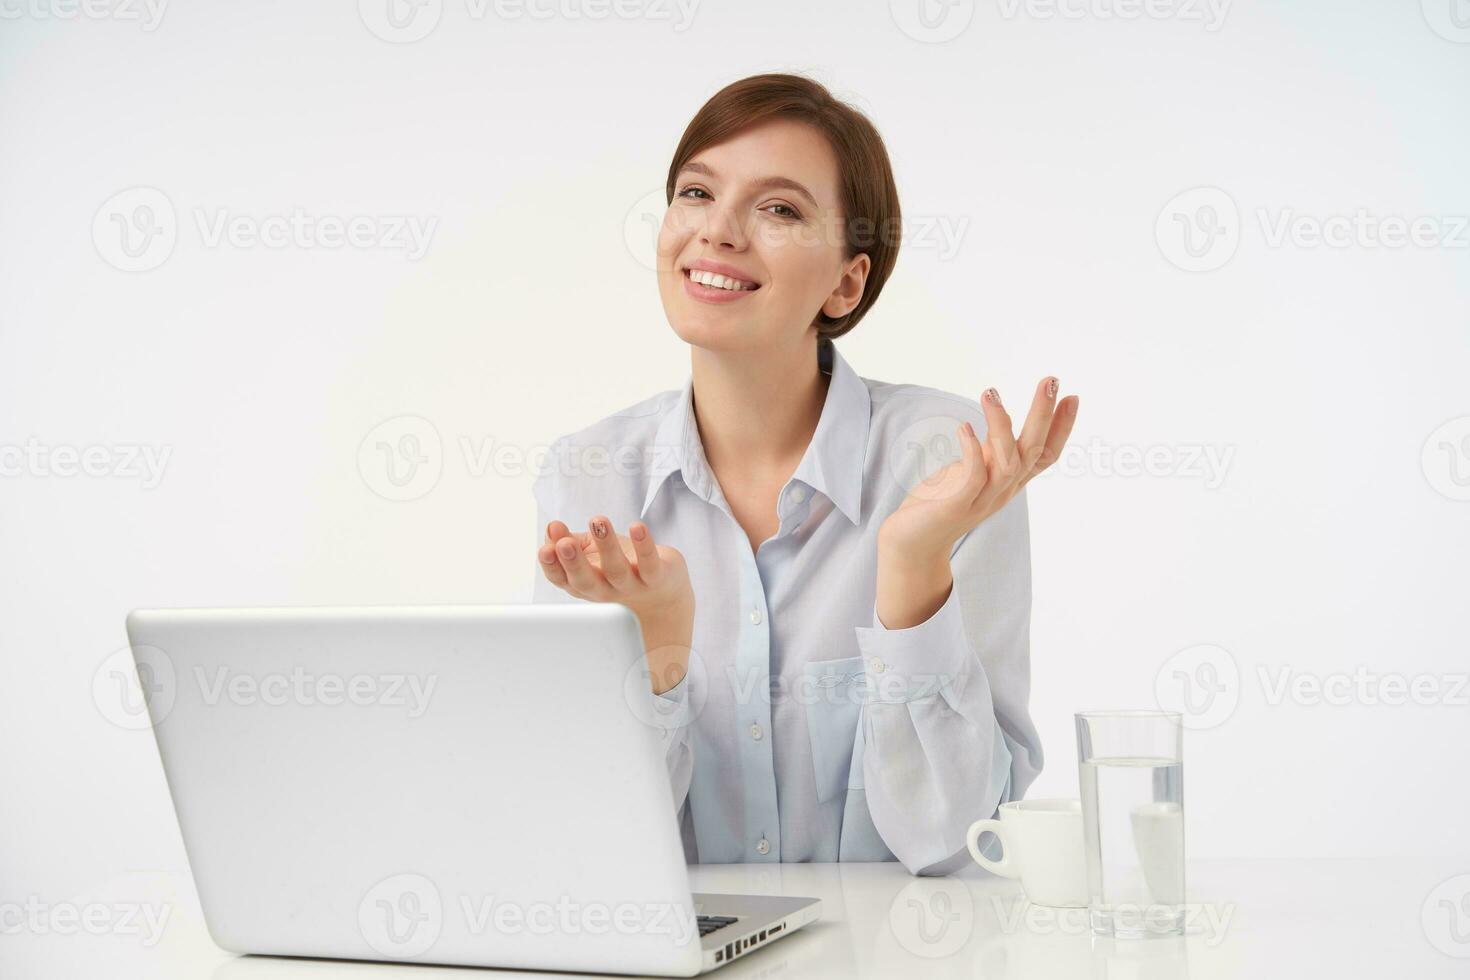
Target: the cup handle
(1002, 867)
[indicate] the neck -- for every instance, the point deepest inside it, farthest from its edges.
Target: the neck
(757, 410)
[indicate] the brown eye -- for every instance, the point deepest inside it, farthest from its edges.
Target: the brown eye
(691, 190)
(784, 211)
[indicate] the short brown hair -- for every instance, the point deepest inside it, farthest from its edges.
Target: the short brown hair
(868, 195)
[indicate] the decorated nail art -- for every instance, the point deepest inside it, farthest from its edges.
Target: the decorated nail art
(993, 395)
(1051, 388)
(599, 529)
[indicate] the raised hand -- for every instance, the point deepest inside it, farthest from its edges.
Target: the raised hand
(652, 580)
(915, 540)
(944, 507)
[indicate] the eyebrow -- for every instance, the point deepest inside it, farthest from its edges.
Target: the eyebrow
(786, 183)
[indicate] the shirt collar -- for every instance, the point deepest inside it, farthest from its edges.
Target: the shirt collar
(832, 464)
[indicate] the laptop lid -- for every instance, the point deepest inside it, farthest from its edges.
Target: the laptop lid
(471, 785)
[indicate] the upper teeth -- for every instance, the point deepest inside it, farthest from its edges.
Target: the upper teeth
(717, 281)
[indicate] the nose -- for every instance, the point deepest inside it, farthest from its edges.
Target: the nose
(724, 228)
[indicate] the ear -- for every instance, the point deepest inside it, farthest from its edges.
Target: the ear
(849, 288)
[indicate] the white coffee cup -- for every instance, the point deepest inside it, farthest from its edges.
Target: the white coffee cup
(1041, 844)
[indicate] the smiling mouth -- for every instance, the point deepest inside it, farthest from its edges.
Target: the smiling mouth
(712, 280)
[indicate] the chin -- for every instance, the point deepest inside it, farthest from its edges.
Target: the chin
(710, 333)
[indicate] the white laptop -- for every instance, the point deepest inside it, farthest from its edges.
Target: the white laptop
(468, 785)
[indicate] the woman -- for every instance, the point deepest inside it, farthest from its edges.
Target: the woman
(859, 671)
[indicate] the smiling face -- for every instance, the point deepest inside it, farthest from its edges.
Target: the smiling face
(752, 249)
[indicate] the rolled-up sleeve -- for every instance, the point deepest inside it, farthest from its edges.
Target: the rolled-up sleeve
(947, 734)
(670, 712)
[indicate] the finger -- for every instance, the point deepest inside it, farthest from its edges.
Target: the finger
(615, 567)
(556, 530)
(550, 567)
(1038, 423)
(650, 564)
(1004, 462)
(1061, 428)
(976, 474)
(579, 571)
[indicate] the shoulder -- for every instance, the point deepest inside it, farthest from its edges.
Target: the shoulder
(906, 410)
(611, 447)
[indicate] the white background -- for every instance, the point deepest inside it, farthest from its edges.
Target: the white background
(1050, 143)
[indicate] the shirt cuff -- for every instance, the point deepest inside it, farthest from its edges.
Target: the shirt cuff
(917, 662)
(671, 708)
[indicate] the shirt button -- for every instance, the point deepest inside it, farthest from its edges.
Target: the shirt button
(755, 616)
(877, 666)
(763, 846)
(798, 494)
(755, 731)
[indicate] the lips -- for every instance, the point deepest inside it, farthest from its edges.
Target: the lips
(718, 275)
(713, 295)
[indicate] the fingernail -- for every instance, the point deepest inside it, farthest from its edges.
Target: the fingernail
(969, 430)
(549, 559)
(1051, 388)
(993, 395)
(599, 529)
(639, 532)
(566, 548)
(548, 528)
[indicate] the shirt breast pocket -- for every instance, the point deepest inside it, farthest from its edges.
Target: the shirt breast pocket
(834, 706)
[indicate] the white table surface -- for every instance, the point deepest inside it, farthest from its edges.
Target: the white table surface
(1256, 918)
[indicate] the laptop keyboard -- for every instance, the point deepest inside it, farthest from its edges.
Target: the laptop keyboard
(709, 923)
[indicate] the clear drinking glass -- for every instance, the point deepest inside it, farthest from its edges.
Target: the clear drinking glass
(1131, 767)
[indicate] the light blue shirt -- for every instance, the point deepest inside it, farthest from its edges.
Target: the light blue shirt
(805, 730)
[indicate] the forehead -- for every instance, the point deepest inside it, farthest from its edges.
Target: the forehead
(779, 148)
